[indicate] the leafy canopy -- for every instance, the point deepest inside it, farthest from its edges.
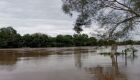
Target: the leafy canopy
(117, 17)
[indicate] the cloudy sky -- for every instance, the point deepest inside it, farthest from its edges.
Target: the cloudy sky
(31, 16)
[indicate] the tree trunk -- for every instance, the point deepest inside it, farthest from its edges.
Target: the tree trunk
(114, 48)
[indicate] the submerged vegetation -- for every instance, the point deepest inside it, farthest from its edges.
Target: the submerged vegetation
(9, 38)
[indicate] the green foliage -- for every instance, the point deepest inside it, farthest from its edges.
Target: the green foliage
(35, 40)
(80, 39)
(9, 38)
(92, 41)
(39, 40)
(129, 42)
(64, 40)
(117, 17)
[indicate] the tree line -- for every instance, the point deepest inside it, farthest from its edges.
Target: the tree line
(9, 38)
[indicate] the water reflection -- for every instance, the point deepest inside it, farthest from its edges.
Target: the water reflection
(82, 63)
(10, 57)
(80, 54)
(113, 71)
(110, 72)
(77, 57)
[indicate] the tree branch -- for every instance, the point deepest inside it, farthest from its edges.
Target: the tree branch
(128, 8)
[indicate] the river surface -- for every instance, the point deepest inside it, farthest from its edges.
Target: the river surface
(73, 63)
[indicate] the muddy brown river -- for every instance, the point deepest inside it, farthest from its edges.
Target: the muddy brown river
(73, 63)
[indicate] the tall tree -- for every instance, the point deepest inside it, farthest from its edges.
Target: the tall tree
(117, 17)
(9, 37)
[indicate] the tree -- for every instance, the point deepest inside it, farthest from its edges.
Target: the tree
(129, 42)
(92, 41)
(51, 42)
(9, 38)
(35, 40)
(64, 40)
(68, 40)
(102, 42)
(80, 39)
(27, 39)
(117, 17)
(60, 40)
(39, 40)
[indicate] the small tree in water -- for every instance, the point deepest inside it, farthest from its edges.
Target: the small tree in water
(118, 17)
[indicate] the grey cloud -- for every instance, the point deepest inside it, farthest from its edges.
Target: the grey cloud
(30, 16)
(41, 9)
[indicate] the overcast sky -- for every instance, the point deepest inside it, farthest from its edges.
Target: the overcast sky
(31, 16)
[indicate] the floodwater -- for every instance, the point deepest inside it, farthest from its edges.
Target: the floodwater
(81, 63)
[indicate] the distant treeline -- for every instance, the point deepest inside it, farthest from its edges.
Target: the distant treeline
(9, 38)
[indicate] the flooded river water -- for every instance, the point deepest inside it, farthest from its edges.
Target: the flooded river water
(81, 63)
